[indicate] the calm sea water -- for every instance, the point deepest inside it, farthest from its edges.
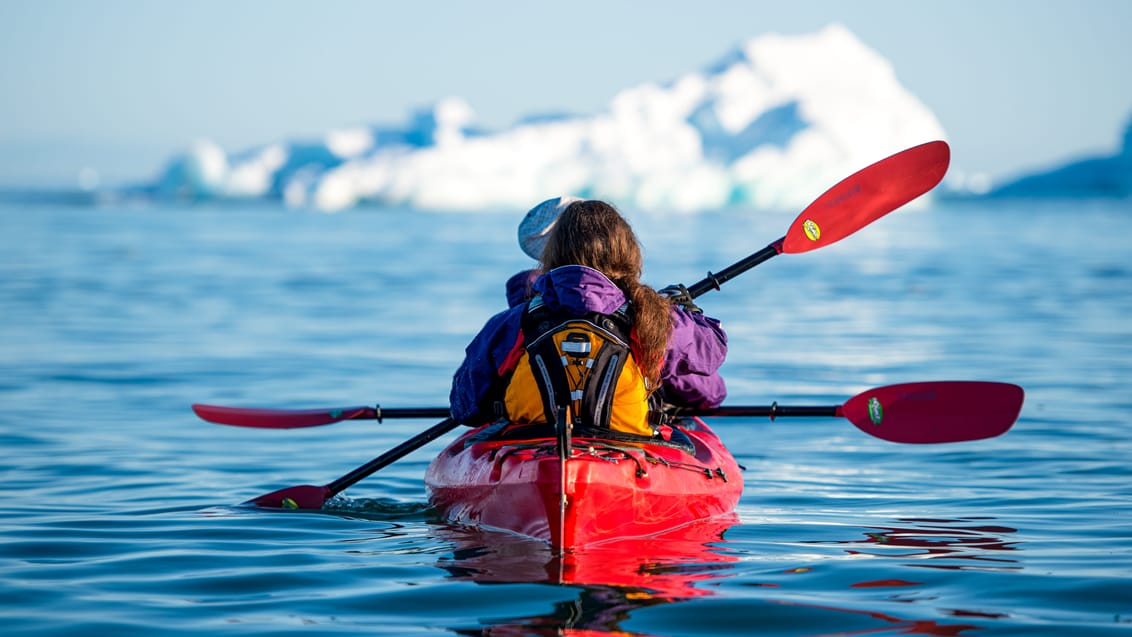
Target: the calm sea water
(120, 510)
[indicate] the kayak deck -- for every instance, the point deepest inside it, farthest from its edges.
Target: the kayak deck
(605, 490)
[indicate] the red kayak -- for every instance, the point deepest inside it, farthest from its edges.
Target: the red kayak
(606, 489)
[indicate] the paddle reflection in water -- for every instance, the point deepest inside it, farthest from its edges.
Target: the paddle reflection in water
(893, 625)
(969, 539)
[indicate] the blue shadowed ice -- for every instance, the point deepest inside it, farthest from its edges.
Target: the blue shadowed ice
(1102, 176)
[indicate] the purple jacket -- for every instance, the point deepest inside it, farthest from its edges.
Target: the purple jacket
(696, 348)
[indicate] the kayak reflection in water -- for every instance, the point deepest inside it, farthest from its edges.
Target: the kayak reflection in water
(669, 566)
(613, 580)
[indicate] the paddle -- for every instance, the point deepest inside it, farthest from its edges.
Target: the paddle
(293, 418)
(924, 412)
(852, 204)
(918, 413)
(309, 496)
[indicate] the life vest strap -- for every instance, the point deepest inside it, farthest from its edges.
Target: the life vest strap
(577, 360)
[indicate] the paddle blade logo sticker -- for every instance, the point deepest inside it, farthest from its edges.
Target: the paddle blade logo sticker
(812, 230)
(876, 412)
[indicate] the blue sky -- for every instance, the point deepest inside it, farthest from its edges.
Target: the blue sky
(120, 85)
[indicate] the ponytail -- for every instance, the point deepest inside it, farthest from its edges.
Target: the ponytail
(652, 324)
(593, 234)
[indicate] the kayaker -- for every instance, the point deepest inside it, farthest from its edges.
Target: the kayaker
(591, 266)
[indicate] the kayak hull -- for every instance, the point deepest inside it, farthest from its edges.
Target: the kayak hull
(606, 490)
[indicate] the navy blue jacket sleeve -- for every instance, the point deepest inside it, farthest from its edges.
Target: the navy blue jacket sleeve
(482, 359)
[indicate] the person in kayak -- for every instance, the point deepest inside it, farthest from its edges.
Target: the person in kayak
(590, 274)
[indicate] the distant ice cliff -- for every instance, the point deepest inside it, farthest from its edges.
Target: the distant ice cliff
(772, 124)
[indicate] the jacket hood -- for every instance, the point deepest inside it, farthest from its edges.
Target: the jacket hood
(577, 289)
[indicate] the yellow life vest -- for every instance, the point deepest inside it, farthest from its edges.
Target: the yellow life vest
(585, 363)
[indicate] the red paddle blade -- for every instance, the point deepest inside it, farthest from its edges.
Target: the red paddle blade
(279, 418)
(868, 195)
(302, 497)
(942, 411)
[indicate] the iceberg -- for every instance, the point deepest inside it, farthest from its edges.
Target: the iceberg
(772, 124)
(1100, 176)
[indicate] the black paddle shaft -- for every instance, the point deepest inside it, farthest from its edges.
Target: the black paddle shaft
(393, 455)
(773, 411)
(713, 281)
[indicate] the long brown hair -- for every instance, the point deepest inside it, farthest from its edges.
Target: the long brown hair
(593, 234)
